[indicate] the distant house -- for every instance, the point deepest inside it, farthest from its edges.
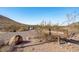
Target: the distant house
(30, 28)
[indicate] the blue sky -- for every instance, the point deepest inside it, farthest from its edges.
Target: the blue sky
(35, 15)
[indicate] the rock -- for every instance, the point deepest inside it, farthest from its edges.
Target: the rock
(69, 43)
(28, 38)
(6, 42)
(15, 40)
(7, 49)
(1, 43)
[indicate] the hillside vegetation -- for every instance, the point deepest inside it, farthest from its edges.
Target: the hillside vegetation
(7, 24)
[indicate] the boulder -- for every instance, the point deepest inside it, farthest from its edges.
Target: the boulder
(15, 40)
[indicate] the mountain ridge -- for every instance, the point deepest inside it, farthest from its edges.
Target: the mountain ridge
(6, 24)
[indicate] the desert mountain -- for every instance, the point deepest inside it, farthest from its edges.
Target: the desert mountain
(7, 24)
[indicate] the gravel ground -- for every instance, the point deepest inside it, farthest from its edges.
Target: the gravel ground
(33, 45)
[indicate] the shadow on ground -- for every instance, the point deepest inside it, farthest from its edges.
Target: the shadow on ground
(24, 42)
(72, 41)
(64, 39)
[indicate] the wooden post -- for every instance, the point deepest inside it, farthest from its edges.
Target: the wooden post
(58, 40)
(50, 39)
(49, 31)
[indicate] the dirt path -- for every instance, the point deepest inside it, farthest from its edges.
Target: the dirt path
(25, 34)
(50, 47)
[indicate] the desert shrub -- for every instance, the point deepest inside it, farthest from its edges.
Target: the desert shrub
(22, 29)
(50, 38)
(11, 28)
(44, 36)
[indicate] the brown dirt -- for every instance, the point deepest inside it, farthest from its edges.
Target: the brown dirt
(34, 44)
